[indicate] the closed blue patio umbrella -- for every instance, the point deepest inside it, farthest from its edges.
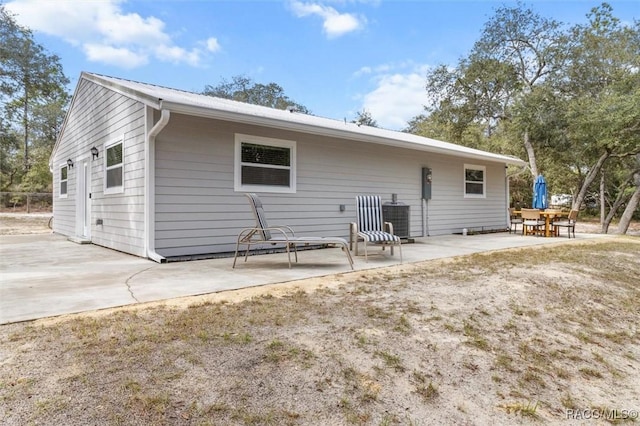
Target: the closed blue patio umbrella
(539, 193)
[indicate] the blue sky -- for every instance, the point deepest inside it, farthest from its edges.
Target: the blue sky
(336, 57)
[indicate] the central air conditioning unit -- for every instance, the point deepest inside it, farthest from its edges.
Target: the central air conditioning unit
(398, 215)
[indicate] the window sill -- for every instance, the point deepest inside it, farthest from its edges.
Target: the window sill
(265, 189)
(116, 190)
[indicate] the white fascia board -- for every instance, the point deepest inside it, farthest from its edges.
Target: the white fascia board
(351, 132)
(106, 83)
(123, 89)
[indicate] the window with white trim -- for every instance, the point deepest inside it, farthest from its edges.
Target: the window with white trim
(64, 180)
(114, 167)
(475, 181)
(264, 164)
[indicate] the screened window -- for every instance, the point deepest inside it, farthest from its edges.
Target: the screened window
(474, 181)
(114, 168)
(63, 180)
(264, 164)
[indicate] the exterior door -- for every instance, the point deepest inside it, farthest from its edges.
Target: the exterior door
(83, 212)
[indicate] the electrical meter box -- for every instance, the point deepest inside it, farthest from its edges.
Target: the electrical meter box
(426, 183)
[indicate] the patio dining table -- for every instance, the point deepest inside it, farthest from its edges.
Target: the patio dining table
(548, 215)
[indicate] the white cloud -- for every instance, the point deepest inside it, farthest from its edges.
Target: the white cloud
(106, 33)
(131, 29)
(334, 24)
(380, 69)
(398, 95)
(178, 55)
(125, 58)
(363, 71)
(213, 45)
(68, 20)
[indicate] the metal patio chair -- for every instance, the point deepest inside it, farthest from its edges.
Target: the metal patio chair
(280, 234)
(370, 226)
(569, 223)
(514, 220)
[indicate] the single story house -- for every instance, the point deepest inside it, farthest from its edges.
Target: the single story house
(160, 173)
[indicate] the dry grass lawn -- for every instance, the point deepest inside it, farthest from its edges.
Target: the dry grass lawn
(518, 336)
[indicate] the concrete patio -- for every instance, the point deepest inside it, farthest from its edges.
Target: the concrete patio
(45, 275)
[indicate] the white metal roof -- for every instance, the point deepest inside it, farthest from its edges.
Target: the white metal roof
(207, 106)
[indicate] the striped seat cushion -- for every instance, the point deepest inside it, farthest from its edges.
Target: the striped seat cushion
(379, 236)
(369, 213)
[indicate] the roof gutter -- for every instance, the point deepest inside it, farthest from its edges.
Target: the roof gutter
(149, 182)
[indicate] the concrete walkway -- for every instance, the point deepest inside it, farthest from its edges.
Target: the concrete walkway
(46, 275)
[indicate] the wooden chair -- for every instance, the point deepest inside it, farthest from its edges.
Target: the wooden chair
(569, 223)
(531, 222)
(371, 228)
(554, 230)
(280, 234)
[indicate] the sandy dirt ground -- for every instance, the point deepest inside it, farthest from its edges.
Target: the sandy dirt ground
(523, 336)
(22, 223)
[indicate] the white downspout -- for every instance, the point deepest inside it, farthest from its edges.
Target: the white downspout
(150, 182)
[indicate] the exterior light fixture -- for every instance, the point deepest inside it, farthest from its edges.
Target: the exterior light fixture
(94, 152)
(70, 163)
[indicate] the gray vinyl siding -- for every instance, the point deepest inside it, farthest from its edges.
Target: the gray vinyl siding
(197, 210)
(97, 117)
(64, 208)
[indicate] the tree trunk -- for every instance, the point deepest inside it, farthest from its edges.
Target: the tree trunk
(620, 198)
(632, 205)
(625, 220)
(602, 201)
(612, 212)
(25, 122)
(531, 154)
(588, 180)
